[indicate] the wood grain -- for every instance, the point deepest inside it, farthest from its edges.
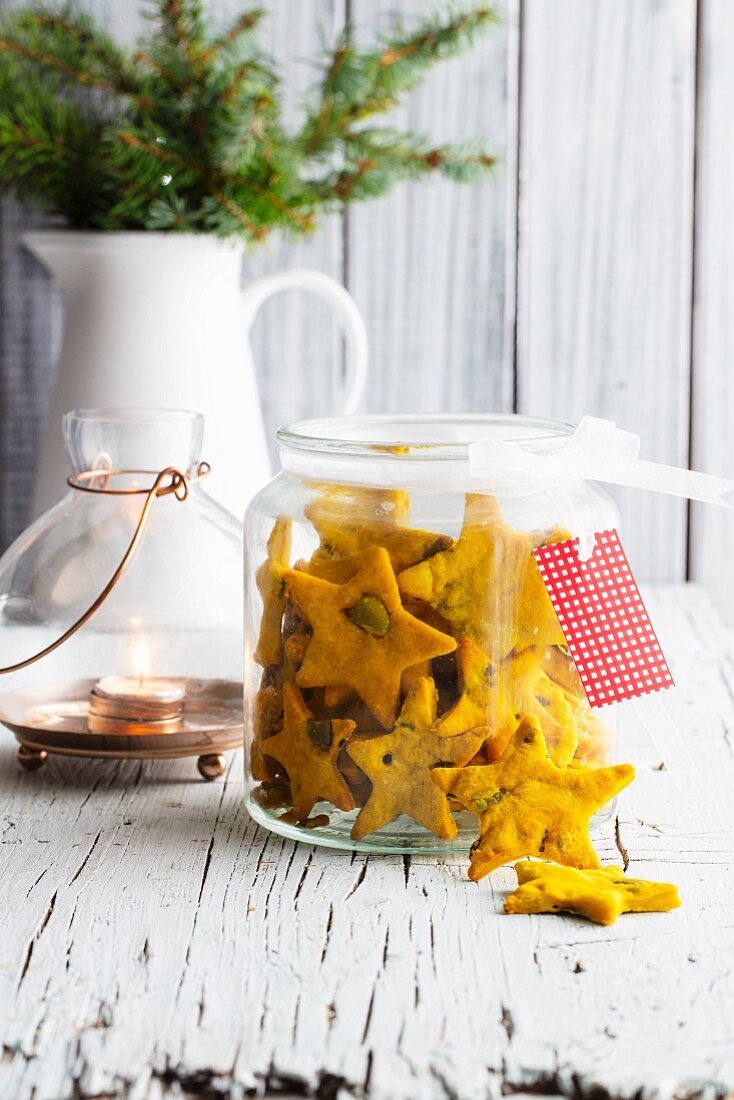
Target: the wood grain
(432, 264)
(155, 943)
(606, 216)
(712, 530)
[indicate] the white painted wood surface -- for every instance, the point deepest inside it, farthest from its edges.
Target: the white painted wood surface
(156, 944)
(606, 215)
(712, 532)
(432, 265)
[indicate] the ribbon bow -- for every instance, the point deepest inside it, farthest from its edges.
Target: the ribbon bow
(597, 451)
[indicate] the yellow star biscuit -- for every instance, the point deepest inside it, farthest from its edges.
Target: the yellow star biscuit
(536, 621)
(498, 695)
(270, 579)
(337, 694)
(275, 795)
(412, 675)
(477, 680)
(538, 696)
(336, 570)
(308, 750)
(267, 713)
(557, 663)
(487, 585)
(594, 739)
(599, 895)
(528, 806)
(362, 635)
(398, 765)
(337, 503)
(349, 519)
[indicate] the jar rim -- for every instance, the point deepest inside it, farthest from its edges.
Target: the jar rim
(416, 436)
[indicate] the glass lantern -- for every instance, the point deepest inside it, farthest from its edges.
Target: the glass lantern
(120, 608)
(396, 621)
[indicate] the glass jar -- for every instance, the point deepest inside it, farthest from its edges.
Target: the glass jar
(170, 626)
(396, 621)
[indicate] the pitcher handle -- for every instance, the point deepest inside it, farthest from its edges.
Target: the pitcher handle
(355, 333)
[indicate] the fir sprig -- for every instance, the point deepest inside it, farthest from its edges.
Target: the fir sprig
(185, 132)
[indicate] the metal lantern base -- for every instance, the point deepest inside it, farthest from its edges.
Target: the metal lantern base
(55, 718)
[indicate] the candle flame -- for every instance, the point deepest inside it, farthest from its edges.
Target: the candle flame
(141, 660)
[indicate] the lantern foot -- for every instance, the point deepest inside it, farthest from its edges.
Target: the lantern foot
(212, 765)
(31, 759)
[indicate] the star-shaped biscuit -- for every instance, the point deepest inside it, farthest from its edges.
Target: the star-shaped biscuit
(398, 765)
(267, 712)
(362, 635)
(478, 691)
(270, 579)
(308, 750)
(536, 621)
(594, 739)
(498, 695)
(528, 806)
(487, 585)
(557, 663)
(599, 895)
(349, 519)
(559, 716)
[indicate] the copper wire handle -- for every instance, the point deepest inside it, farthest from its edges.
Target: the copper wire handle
(97, 481)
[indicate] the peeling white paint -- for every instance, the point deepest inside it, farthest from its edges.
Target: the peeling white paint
(156, 944)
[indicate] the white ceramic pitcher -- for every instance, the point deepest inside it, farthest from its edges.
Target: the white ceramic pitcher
(159, 320)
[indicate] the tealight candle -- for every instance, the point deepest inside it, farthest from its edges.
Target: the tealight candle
(117, 701)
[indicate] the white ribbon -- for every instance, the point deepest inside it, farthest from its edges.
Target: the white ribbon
(597, 451)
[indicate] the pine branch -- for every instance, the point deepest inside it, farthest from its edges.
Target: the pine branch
(255, 232)
(238, 77)
(79, 76)
(139, 155)
(185, 132)
(159, 151)
(457, 165)
(376, 159)
(142, 58)
(87, 41)
(406, 57)
(182, 25)
(182, 21)
(298, 221)
(291, 217)
(359, 84)
(243, 25)
(49, 152)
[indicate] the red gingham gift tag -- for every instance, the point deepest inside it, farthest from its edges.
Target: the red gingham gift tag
(606, 624)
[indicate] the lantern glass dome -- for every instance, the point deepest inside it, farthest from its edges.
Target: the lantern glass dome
(172, 616)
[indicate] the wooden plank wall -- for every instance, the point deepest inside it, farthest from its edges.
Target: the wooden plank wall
(432, 266)
(592, 274)
(604, 310)
(712, 380)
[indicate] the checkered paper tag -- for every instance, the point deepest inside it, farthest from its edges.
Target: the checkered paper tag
(604, 620)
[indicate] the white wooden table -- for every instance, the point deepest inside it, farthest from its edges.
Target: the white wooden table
(153, 942)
